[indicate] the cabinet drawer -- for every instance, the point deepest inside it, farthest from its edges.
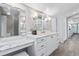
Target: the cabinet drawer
(41, 46)
(40, 40)
(42, 52)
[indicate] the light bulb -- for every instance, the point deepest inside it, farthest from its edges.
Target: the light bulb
(34, 14)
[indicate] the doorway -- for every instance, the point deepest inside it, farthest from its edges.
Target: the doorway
(72, 25)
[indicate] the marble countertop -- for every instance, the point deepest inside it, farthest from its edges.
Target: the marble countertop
(41, 34)
(11, 42)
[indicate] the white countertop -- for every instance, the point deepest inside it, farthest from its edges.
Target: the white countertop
(11, 44)
(39, 34)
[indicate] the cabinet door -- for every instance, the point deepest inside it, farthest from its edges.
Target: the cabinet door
(52, 44)
(42, 52)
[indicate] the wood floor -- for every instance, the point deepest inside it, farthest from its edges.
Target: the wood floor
(69, 48)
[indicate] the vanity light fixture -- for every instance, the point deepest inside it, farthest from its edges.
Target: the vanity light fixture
(46, 19)
(49, 18)
(34, 14)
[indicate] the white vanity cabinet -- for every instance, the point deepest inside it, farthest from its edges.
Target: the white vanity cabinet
(39, 48)
(44, 45)
(52, 43)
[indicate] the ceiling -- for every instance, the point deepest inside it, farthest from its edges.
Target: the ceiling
(74, 19)
(54, 8)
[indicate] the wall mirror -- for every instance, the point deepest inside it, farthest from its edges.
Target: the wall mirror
(9, 21)
(42, 21)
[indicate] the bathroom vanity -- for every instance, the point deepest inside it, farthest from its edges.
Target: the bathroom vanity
(46, 38)
(44, 45)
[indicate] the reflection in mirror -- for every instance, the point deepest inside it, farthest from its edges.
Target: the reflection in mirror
(13, 22)
(42, 21)
(22, 23)
(9, 22)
